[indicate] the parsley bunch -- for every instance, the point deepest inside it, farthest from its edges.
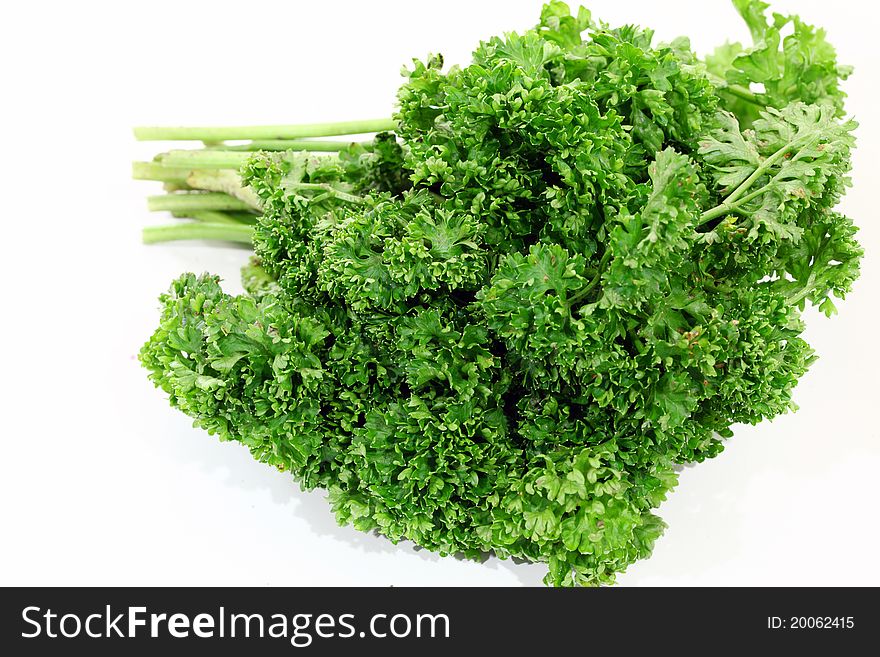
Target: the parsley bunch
(554, 276)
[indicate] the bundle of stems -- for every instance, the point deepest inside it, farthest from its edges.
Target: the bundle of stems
(202, 186)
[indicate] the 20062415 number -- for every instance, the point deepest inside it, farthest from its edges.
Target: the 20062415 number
(811, 622)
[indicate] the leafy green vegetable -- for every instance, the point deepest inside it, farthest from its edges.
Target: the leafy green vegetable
(563, 270)
(799, 67)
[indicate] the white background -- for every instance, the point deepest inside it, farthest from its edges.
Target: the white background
(102, 483)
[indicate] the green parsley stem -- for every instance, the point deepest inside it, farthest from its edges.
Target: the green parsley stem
(216, 217)
(240, 234)
(795, 299)
(736, 198)
(342, 196)
(582, 294)
(206, 133)
(203, 159)
(227, 182)
(313, 145)
(193, 202)
(158, 171)
(728, 207)
(736, 90)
